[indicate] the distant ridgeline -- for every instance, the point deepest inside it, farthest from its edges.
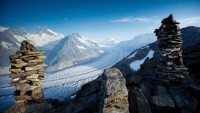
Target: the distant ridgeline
(166, 88)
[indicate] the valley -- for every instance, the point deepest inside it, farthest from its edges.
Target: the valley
(66, 82)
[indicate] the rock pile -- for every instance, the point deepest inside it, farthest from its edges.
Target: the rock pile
(27, 71)
(170, 68)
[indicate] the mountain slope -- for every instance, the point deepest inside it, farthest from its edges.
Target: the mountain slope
(10, 40)
(190, 37)
(71, 50)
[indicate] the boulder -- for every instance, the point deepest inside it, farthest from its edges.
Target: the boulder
(115, 93)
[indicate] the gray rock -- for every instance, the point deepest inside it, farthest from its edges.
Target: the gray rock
(142, 102)
(160, 90)
(85, 105)
(162, 101)
(183, 99)
(115, 93)
(89, 88)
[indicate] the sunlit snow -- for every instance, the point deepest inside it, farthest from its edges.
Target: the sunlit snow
(136, 64)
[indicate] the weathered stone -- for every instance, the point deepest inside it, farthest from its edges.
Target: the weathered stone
(160, 90)
(183, 99)
(85, 104)
(142, 102)
(88, 89)
(33, 61)
(21, 107)
(115, 96)
(26, 87)
(24, 97)
(15, 71)
(41, 57)
(19, 65)
(33, 76)
(162, 101)
(29, 58)
(15, 79)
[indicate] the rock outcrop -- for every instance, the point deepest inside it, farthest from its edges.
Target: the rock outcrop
(115, 94)
(106, 94)
(27, 71)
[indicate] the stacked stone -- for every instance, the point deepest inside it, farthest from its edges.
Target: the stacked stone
(170, 67)
(27, 71)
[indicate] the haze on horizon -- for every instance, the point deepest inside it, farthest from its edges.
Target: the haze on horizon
(97, 19)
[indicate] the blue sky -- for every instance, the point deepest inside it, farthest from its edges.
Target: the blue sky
(97, 19)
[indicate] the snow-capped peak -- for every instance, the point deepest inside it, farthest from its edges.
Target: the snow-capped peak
(2, 29)
(82, 40)
(50, 31)
(5, 44)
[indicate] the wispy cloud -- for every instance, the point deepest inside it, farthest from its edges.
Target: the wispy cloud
(132, 20)
(190, 21)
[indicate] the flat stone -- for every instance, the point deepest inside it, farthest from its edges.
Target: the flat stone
(41, 57)
(33, 76)
(15, 71)
(29, 58)
(26, 87)
(15, 79)
(35, 61)
(23, 97)
(19, 65)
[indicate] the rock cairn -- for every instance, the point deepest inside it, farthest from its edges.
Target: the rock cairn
(170, 68)
(27, 71)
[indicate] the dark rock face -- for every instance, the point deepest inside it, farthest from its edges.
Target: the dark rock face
(191, 57)
(29, 108)
(170, 67)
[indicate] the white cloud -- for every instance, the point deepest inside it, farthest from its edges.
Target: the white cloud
(132, 20)
(191, 21)
(184, 22)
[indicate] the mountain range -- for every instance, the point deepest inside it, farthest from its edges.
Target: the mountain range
(61, 51)
(73, 49)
